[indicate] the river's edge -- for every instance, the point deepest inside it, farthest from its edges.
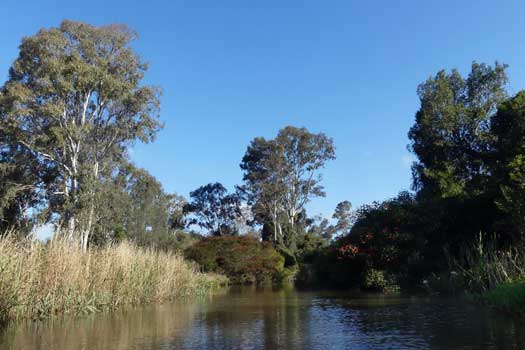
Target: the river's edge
(38, 280)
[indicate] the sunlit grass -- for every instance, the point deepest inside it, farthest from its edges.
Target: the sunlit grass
(39, 280)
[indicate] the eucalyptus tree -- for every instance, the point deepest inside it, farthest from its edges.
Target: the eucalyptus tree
(343, 215)
(176, 210)
(303, 155)
(149, 210)
(74, 101)
(282, 175)
(263, 186)
(214, 210)
(132, 204)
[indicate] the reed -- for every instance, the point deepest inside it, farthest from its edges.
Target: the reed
(38, 280)
(484, 267)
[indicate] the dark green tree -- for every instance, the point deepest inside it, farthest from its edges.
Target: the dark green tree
(214, 210)
(507, 162)
(343, 215)
(451, 133)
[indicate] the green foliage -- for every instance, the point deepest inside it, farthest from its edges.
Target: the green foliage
(508, 297)
(281, 176)
(214, 210)
(72, 104)
(380, 281)
(132, 205)
(243, 259)
(404, 237)
(343, 216)
(290, 260)
(507, 162)
(308, 246)
(451, 131)
(384, 237)
(469, 176)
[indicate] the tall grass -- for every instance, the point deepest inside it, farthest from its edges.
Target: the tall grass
(38, 280)
(484, 267)
(486, 274)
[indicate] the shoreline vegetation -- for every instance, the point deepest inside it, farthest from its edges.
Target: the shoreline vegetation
(39, 280)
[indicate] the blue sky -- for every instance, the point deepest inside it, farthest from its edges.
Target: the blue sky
(234, 70)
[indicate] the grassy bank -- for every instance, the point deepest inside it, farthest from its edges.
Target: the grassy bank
(39, 280)
(488, 275)
(507, 297)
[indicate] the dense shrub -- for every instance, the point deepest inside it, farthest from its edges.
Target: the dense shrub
(382, 240)
(242, 258)
(405, 237)
(380, 281)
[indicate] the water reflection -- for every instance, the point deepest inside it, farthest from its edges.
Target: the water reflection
(279, 319)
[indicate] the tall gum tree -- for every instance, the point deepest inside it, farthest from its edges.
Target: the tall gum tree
(283, 174)
(303, 154)
(74, 101)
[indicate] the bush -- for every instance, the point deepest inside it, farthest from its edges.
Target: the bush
(380, 281)
(508, 297)
(243, 259)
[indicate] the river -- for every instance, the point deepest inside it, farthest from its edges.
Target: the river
(250, 318)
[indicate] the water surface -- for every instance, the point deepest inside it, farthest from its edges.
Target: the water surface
(252, 318)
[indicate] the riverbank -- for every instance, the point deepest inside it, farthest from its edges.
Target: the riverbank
(38, 280)
(485, 275)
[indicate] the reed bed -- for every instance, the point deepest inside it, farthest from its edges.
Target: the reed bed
(486, 274)
(38, 280)
(484, 267)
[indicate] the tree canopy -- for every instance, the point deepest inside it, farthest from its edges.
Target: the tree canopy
(72, 104)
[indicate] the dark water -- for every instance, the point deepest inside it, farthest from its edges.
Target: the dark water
(279, 319)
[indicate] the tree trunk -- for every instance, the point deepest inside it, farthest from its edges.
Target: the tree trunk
(71, 227)
(86, 232)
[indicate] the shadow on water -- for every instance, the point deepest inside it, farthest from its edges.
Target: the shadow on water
(251, 318)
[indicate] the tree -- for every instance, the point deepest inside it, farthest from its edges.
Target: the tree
(177, 215)
(451, 131)
(19, 189)
(303, 155)
(282, 175)
(319, 226)
(131, 204)
(74, 101)
(214, 209)
(149, 212)
(263, 184)
(342, 214)
(507, 161)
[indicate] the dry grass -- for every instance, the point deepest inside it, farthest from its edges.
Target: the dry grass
(38, 280)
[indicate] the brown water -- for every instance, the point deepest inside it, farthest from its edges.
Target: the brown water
(279, 319)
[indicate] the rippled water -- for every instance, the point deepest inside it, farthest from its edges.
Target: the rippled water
(279, 319)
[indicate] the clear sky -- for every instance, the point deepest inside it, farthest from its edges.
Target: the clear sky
(234, 70)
